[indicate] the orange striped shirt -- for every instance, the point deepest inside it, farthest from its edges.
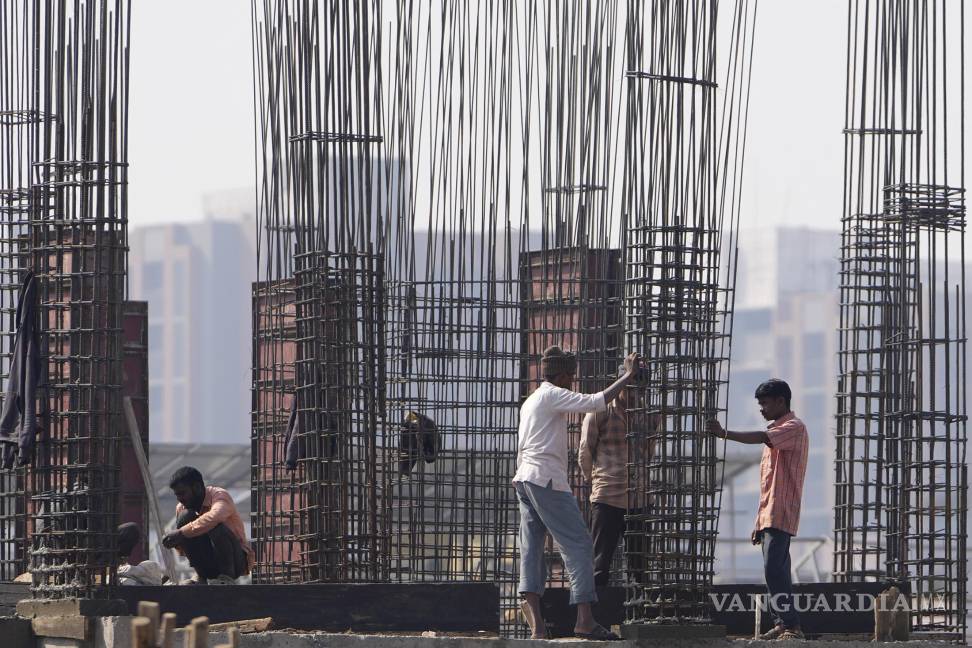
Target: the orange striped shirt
(781, 474)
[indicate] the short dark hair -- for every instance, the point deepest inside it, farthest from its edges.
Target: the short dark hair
(774, 388)
(186, 475)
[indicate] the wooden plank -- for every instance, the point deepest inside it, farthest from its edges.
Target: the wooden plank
(197, 635)
(247, 625)
(142, 633)
(150, 610)
(168, 563)
(167, 630)
(375, 607)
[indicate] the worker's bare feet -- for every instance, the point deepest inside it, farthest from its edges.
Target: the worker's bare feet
(531, 612)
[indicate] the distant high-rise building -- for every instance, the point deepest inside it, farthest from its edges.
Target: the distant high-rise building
(785, 326)
(196, 277)
(778, 261)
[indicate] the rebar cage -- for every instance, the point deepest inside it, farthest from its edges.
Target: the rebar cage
(901, 480)
(63, 178)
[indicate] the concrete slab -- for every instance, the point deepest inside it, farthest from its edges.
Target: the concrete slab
(324, 640)
(115, 632)
(31, 608)
(672, 631)
(72, 626)
(54, 642)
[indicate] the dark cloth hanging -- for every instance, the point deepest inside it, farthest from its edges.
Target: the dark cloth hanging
(19, 411)
(419, 438)
(290, 438)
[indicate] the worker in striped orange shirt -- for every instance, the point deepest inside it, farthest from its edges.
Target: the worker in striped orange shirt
(782, 470)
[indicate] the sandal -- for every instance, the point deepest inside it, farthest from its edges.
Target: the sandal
(772, 633)
(791, 634)
(599, 633)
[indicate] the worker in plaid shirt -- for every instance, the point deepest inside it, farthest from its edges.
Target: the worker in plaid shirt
(603, 459)
(781, 474)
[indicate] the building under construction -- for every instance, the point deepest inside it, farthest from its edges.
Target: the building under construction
(443, 191)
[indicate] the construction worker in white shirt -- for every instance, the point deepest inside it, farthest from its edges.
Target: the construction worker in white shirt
(545, 500)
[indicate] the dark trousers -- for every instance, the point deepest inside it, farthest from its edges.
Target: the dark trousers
(212, 554)
(607, 527)
(776, 567)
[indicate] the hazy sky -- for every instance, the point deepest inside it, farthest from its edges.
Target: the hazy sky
(191, 108)
(192, 125)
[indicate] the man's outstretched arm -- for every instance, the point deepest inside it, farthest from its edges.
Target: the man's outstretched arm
(716, 429)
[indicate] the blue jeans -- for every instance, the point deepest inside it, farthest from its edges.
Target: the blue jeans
(545, 509)
(776, 567)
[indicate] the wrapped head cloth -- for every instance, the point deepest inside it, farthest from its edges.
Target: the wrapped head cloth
(555, 362)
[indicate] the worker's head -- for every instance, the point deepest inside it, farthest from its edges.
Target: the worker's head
(558, 367)
(188, 487)
(773, 397)
(128, 536)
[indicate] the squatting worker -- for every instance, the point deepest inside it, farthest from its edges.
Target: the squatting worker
(545, 500)
(603, 459)
(781, 475)
(210, 531)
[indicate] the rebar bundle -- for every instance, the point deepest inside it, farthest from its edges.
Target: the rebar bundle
(63, 125)
(901, 484)
(683, 161)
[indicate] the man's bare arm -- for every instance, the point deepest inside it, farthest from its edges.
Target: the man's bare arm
(758, 436)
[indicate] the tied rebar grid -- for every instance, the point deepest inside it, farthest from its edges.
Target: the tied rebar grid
(338, 375)
(683, 166)
(925, 412)
(78, 241)
(275, 515)
(63, 113)
(319, 318)
(454, 310)
(901, 485)
(21, 128)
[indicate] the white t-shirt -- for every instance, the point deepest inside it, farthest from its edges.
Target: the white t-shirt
(541, 456)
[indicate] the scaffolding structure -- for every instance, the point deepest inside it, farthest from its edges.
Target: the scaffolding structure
(63, 123)
(902, 484)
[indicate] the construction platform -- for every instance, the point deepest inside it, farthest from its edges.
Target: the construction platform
(114, 632)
